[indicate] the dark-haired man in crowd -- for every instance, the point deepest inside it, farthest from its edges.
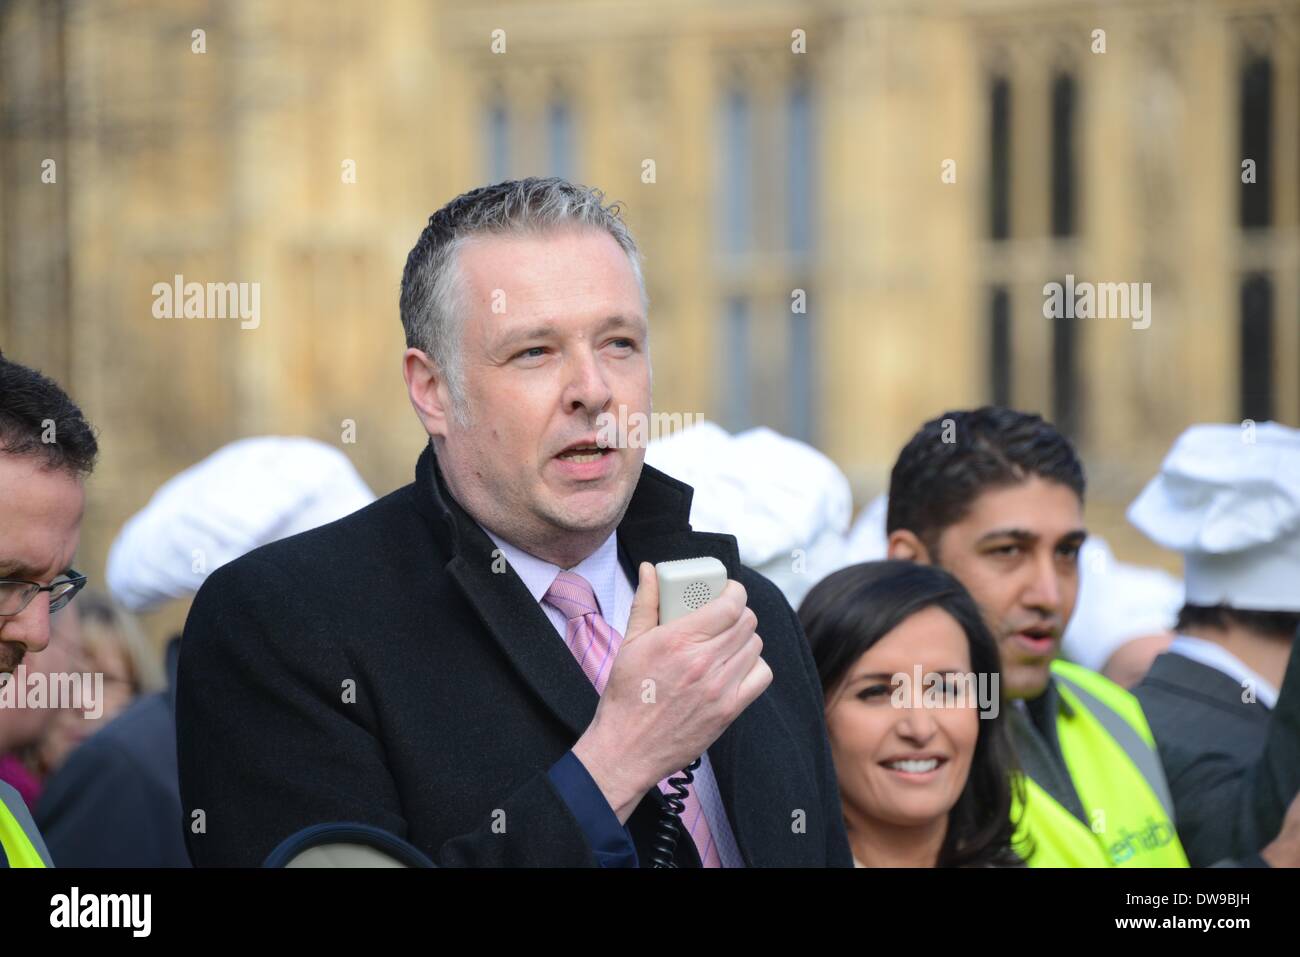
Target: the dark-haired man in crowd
(46, 450)
(996, 497)
(1222, 701)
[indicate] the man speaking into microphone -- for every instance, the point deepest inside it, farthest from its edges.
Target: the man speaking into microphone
(474, 663)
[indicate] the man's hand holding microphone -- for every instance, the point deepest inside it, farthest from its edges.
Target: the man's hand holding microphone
(706, 668)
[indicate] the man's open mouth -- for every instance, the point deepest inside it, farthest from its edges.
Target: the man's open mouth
(1039, 639)
(586, 453)
(586, 449)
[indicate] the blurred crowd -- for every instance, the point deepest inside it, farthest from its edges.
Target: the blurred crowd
(100, 778)
(996, 688)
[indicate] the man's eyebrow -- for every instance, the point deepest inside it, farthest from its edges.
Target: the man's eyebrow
(617, 320)
(13, 569)
(1022, 535)
(520, 335)
(546, 331)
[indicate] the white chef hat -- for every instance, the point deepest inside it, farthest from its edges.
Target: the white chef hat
(1117, 602)
(244, 495)
(867, 541)
(777, 495)
(1228, 498)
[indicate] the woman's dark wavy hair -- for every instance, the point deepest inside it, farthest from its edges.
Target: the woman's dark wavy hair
(848, 612)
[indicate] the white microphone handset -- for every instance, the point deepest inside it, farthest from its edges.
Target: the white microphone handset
(688, 584)
(684, 586)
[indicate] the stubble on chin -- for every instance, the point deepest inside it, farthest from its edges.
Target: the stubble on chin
(1026, 681)
(568, 517)
(11, 656)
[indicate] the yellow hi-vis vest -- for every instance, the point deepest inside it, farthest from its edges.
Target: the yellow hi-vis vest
(19, 839)
(1111, 756)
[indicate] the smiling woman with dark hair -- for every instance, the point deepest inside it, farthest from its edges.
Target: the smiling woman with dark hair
(925, 769)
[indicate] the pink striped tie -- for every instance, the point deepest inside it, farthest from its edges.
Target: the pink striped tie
(594, 643)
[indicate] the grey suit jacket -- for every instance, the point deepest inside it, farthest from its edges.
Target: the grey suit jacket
(1233, 766)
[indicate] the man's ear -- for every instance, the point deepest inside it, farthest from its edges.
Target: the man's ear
(427, 388)
(905, 546)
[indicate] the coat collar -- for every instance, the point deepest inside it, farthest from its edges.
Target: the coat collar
(655, 528)
(1188, 678)
(660, 510)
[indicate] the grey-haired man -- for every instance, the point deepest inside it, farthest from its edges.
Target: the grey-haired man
(474, 663)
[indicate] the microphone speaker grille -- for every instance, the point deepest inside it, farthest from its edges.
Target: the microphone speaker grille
(697, 594)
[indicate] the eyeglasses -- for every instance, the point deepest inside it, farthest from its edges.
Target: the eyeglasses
(16, 594)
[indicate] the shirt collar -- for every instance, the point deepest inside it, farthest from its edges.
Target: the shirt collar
(1222, 660)
(1052, 702)
(599, 568)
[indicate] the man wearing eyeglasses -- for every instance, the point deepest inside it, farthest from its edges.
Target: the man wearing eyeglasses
(46, 450)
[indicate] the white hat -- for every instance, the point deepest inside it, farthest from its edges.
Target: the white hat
(1228, 498)
(777, 495)
(1117, 602)
(249, 493)
(867, 541)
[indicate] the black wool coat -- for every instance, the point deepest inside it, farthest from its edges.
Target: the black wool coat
(378, 670)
